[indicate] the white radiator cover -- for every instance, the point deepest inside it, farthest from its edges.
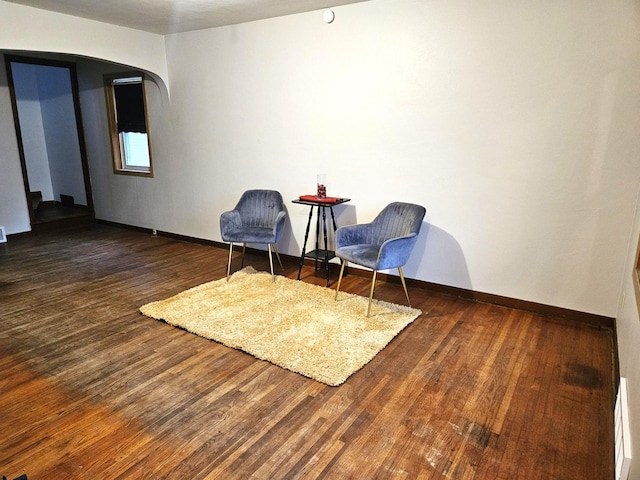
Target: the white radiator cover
(622, 436)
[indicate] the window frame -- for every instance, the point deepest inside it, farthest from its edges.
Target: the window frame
(117, 145)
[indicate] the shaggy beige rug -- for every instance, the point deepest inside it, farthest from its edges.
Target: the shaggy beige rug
(289, 323)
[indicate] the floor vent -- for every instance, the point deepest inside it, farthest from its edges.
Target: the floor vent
(622, 433)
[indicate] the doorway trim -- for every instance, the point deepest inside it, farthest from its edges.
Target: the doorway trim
(9, 59)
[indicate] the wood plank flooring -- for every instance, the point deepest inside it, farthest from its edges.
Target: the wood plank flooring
(91, 389)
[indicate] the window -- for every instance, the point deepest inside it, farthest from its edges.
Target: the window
(127, 109)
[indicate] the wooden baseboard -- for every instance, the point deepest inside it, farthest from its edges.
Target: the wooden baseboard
(598, 321)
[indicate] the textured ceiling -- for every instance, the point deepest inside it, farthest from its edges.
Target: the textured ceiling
(173, 16)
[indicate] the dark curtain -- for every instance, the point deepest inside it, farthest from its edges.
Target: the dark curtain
(130, 108)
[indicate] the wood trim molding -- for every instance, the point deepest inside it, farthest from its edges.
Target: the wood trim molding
(598, 321)
(75, 95)
(636, 276)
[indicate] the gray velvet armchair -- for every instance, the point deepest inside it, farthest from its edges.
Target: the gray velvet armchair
(258, 217)
(384, 243)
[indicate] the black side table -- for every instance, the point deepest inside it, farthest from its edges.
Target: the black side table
(317, 254)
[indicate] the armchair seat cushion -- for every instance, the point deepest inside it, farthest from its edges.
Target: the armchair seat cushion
(362, 254)
(248, 234)
(384, 243)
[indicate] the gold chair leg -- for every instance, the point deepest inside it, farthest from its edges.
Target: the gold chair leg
(373, 285)
(275, 248)
(344, 262)
(244, 247)
(271, 262)
(229, 262)
(404, 285)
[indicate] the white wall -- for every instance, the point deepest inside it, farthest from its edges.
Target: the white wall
(130, 200)
(14, 213)
(514, 123)
(36, 30)
(628, 330)
(61, 133)
(25, 80)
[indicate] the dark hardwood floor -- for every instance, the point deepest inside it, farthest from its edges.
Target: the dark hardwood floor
(91, 389)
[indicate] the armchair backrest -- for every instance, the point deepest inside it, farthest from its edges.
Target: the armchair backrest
(397, 219)
(260, 208)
